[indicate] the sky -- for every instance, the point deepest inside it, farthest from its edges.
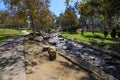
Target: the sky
(2, 7)
(56, 6)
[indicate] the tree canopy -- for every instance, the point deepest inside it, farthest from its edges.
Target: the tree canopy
(36, 12)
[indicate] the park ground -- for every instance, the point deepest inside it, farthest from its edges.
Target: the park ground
(97, 40)
(38, 66)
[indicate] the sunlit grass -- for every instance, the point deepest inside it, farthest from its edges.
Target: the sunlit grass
(5, 33)
(89, 37)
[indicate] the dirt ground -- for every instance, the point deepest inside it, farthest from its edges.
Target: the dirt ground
(38, 66)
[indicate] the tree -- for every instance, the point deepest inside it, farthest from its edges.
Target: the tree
(69, 20)
(108, 8)
(36, 12)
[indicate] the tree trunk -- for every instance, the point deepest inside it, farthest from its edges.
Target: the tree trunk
(33, 27)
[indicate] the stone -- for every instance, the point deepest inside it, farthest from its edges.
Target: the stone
(61, 39)
(39, 39)
(52, 42)
(52, 48)
(92, 57)
(29, 71)
(52, 53)
(27, 63)
(33, 63)
(45, 48)
(69, 47)
(31, 37)
(108, 58)
(46, 37)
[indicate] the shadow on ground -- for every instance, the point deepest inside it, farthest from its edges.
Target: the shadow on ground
(11, 59)
(71, 66)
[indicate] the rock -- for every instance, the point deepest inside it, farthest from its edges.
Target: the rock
(111, 67)
(29, 71)
(45, 48)
(61, 39)
(33, 63)
(52, 42)
(25, 39)
(69, 47)
(52, 48)
(31, 37)
(92, 57)
(52, 53)
(108, 58)
(39, 39)
(64, 47)
(46, 37)
(27, 63)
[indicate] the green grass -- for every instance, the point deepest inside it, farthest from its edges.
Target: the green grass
(54, 30)
(5, 33)
(99, 41)
(87, 37)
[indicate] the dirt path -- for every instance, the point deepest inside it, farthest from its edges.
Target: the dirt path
(11, 59)
(40, 68)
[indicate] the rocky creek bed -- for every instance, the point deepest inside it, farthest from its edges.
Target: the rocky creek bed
(103, 64)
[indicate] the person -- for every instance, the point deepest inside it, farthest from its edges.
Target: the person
(113, 33)
(105, 33)
(82, 32)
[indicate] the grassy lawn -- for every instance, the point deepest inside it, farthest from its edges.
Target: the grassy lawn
(5, 33)
(100, 40)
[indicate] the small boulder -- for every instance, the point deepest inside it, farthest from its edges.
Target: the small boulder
(39, 39)
(52, 48)
(61, 39)
(33, 63)
(52, 42)
(52, 53)
(45, 48)
(29, 71)
(46, 37)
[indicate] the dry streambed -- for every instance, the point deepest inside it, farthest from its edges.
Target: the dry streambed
(106, 66)
(38, 66)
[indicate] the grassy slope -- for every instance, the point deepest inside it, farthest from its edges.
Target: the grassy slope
(88, 37)
(5, 33)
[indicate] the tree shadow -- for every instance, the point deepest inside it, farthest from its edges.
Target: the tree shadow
(11, 61)
(102, 38)
(97, 54)
(78, 69)
(109, 46)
